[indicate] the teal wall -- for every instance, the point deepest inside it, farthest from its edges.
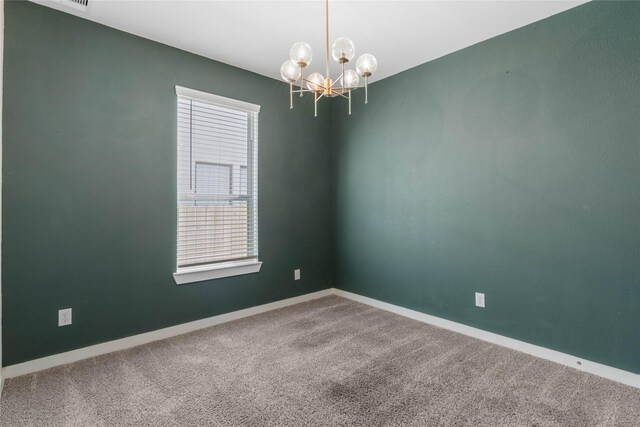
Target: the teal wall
(511, 168)
(89, 186)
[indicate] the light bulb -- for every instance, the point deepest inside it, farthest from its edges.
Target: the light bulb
(366, 65)
(343, 50)
(350, 79)
(301, 54)
(290, 72)
(315, 82)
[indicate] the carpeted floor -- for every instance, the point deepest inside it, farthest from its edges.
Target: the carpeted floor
(328, 362)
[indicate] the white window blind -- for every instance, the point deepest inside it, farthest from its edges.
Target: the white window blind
(217, 179)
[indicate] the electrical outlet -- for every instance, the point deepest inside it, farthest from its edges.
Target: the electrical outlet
(296, 274)
(479, 300)
(64, 317)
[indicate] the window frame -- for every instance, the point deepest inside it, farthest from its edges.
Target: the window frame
(230, 268)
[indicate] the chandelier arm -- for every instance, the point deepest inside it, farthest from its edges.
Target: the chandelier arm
(366, 89)
(301, 79)
(316, 98)
(336, 81)
(352, 89)
(339, 91)
(358, 87)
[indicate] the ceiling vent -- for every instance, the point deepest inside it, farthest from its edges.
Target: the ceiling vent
(76, 4)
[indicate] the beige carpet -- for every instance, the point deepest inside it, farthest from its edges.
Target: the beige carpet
(329, 362)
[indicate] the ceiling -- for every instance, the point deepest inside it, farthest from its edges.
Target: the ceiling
(256, 35)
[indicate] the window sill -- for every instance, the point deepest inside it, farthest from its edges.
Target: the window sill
(228, 269)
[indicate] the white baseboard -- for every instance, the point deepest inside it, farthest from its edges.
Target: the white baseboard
(160, 334)
(615, 374)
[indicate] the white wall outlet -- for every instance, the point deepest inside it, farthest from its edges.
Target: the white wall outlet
(64, 317)
(479, 300)
(296, 274)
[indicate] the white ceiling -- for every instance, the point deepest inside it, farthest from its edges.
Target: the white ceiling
(256, 35)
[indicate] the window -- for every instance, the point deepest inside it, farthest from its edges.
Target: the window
(217, 187)
(212, 178)
(243, 180)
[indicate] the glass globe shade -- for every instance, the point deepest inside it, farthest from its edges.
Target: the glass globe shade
(301, 54)
(316, 82)
(290, 72)
(343, 50)
(350, 79)
(366, 65)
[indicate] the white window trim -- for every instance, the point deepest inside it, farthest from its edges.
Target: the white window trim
(224, 269)
(216, 99)
(216, 271)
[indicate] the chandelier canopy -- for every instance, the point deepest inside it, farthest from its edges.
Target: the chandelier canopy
(342, 51)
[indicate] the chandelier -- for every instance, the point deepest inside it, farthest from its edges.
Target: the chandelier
(343, 50)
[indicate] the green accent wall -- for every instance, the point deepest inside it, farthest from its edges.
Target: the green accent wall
(89, 186)
(512, 168)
